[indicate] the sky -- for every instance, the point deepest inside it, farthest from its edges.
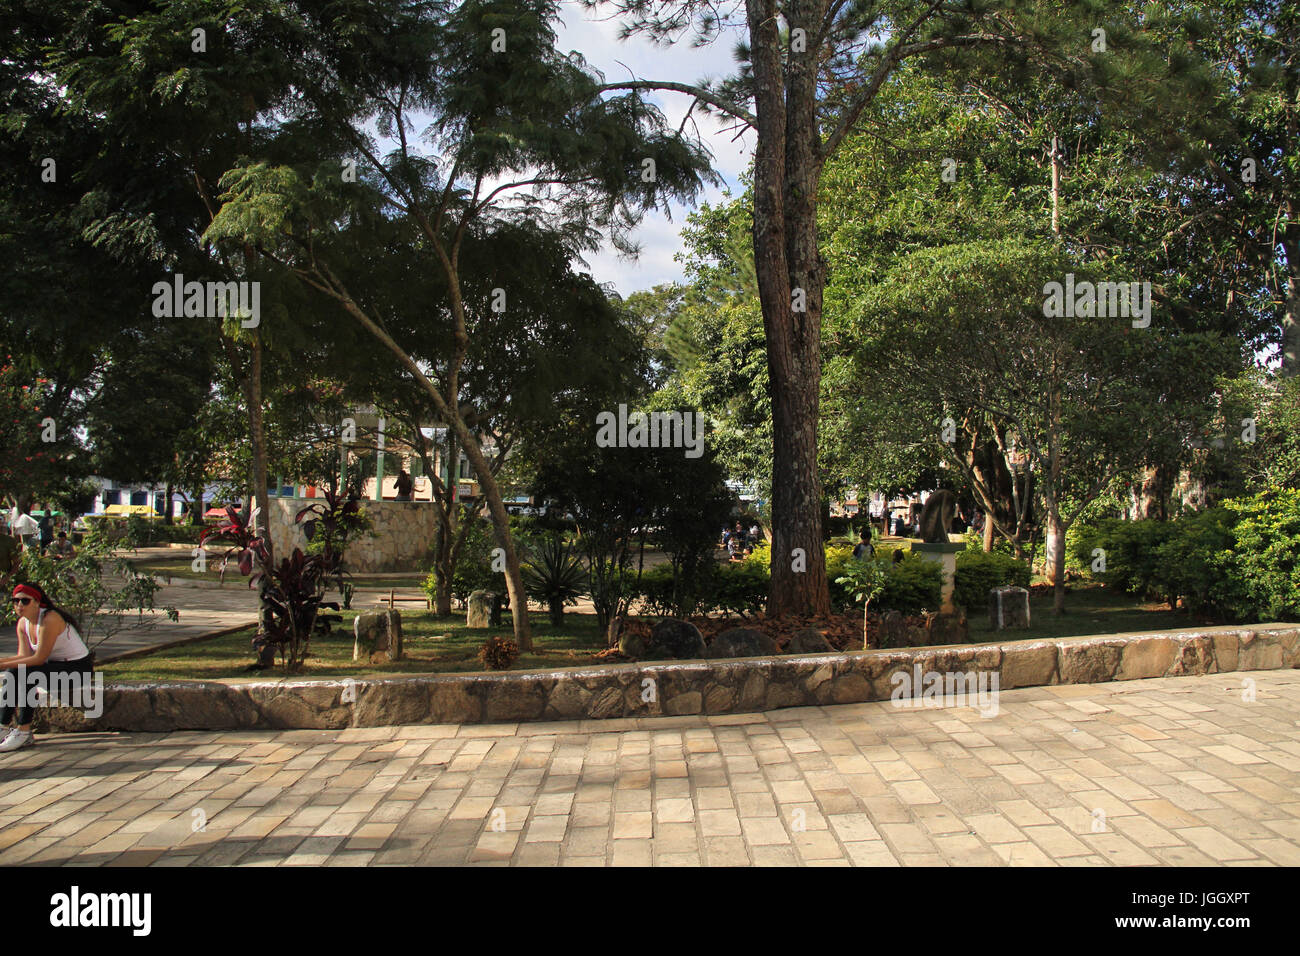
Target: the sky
(595, 36)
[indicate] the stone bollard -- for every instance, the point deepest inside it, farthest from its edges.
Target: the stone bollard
(1008, 607)
(378, 637)
(480, 609)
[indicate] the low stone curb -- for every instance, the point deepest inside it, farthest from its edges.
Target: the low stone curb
(105, 657)
(672, 688)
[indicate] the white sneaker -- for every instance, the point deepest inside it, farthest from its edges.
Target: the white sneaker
(17, 740)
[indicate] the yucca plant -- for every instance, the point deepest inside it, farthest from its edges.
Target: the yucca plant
(555, 577)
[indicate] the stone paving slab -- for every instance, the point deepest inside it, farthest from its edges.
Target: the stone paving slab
(1194, 771)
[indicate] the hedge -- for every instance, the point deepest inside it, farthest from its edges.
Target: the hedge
(1236, 562)
(979, 573)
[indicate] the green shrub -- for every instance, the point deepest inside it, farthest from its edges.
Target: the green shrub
(840, 526)
(1261, 574)
(838, 554)
(760, 557)
(1190, 563)
(554, 576)
(1131, 553)
(979, 573)
(656, 591)
(739, 588)
(914, 584)
(1235, 562)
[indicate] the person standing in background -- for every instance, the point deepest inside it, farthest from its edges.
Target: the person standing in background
(11, 555)
(46, 526)
(404, 485)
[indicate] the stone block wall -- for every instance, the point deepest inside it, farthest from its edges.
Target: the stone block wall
(403, 534)
(725, 686)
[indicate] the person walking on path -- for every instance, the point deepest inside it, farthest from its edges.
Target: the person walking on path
(48, 643)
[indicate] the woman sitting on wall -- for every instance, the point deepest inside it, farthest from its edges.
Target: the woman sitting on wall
(48, 643)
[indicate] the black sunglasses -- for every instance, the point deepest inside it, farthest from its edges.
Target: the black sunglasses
(21, 600)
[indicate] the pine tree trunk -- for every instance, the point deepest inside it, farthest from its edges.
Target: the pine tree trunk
(790, 277)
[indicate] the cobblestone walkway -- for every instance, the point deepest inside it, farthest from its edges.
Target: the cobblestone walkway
(1179, 771)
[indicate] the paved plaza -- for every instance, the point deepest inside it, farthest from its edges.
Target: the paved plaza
(1185, 771)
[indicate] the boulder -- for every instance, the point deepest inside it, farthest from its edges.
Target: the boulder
(1008, 607)
(674, 640)
(481, 605)
(741, 642)
(378, 636)
(893, 630)
(808, 640)
(916, 635)
(631, 643)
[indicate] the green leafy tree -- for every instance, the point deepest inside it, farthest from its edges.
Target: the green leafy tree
(527, 118)
(808, 72)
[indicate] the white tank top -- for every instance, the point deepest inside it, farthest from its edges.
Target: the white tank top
(68, 646)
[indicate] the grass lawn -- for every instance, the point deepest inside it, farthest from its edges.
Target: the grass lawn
(446, 645)
(1089, 609)
(430, 645)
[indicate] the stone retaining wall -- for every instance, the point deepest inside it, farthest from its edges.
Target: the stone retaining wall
(403, 534)
(679, 687)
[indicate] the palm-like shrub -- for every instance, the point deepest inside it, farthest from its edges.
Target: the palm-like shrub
(555, 577)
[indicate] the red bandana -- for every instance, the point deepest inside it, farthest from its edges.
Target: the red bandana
(28, 590)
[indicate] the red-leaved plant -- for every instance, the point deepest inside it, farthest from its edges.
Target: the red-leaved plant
(291, 590)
